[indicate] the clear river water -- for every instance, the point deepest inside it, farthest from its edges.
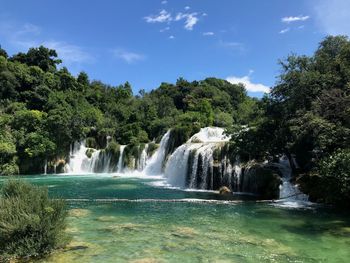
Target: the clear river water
(126, 219)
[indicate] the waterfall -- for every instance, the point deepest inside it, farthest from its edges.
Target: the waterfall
(155, 164)
(289, 191)
(79, 162)
(120, 160)
(191, 165)
(177, 165)
(143, 159)
(45, 167)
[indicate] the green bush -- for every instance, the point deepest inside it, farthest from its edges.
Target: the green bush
(335, 176)
(9, 169)
(31, 224)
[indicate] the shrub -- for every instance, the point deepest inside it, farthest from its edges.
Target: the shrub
(31, 224)
(335, 176)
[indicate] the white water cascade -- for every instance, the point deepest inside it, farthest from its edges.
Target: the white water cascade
(155, 164)
(288, 191)
(204, 162)
(120, 160)
(79, 162)
(200, 147)
(143, 159)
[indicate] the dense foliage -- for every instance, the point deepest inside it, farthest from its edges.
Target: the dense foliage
(44, 109)
(307, 115)
(31, 224)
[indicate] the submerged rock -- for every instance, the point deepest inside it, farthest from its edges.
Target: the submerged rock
(124, 227)
(224, 190)
(106, 218)
(78, 212)
(184, 232)
(146, 260)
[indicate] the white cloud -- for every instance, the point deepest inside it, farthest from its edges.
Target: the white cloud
(283, 31)
(191, 19)
(165, 29)
(333, 17)
(171, 37)
(208, 34)
(249, 86)
(290, 19)
(68, 53)
(187, 8)
(162, 17)
(164, 2)
(127, 56)
(204, 14)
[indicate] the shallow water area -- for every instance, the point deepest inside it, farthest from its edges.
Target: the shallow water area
(115, 218)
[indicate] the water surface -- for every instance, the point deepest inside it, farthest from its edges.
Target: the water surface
(158, 229)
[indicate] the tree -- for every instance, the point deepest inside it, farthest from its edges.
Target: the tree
(3, 53)
(42, 57)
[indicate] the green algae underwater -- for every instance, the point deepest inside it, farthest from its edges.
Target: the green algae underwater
(125, 219)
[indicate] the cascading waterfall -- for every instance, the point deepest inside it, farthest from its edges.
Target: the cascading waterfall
(191, 165)
(155, 164)
(288, 191)
(45, 167)
(205, 162)
(143, 159)
(79, 162)
(120, 161)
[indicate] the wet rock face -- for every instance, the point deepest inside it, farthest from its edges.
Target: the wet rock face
(261, 180)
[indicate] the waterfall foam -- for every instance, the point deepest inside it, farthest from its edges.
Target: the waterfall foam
(155, 164)
(143, 159)
(191, 164)
(78, 161)
(120, 160)
(290, 195)
(210, 134)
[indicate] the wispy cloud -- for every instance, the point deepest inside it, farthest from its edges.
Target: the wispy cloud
(171, 37)
(68, 52)
(165, 29)
(283, 31)
(164, 2)
(127, 56)
(27, 35)
(291, 19)
(191, 19)
(187, 8)
(333, 16)
(233, 46)
(248, 84)
(208, 33)
(162, 17)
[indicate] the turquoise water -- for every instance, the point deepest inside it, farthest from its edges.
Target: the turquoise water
(159, 229)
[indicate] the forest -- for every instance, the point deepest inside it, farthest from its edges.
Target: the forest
(306, 115)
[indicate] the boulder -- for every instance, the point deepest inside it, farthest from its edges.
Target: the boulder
(224, 190)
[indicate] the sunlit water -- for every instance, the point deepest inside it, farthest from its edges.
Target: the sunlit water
(109, 223)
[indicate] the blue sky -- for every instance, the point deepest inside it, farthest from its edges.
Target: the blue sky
(147, 42)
